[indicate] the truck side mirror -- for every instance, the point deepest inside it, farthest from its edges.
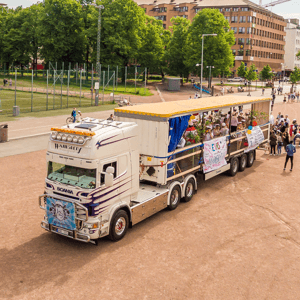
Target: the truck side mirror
(109, 179)
(109, 176)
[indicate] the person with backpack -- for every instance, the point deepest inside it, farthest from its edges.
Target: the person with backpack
(290, 150)
(73, 114)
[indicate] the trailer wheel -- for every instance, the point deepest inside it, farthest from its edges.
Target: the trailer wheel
(174, 197)
(243, 162)
(234, 166)
(118, 225)
(250, 159)
(189, 190)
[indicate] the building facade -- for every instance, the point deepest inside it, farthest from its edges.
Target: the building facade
(292, 45)
(260, 34)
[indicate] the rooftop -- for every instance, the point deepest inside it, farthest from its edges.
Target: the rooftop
(171, 109)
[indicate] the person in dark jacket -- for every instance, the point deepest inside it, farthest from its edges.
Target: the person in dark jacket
(290, 150)
(273, 142)
(285, 139)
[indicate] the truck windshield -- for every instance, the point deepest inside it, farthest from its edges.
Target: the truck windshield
(84, 178)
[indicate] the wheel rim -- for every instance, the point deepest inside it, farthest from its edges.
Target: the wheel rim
(251, 158)
(244, 162)
(189, 190)
(174, 197)
(120, 226)
(235, 165)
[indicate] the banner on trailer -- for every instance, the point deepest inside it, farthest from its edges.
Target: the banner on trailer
(214, 154)
(61, 213)
(255, 138)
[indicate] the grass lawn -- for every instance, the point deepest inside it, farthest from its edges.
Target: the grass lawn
(41, 82)
(39, 102)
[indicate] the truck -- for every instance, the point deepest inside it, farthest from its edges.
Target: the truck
(104, 176)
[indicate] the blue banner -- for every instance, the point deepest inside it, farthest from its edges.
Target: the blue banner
(61, 213)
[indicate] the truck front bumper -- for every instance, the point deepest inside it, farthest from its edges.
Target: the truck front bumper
(72, 234)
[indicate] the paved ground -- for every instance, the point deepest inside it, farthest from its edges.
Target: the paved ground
(237, 239)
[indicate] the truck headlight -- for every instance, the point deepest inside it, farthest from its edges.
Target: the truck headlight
(91, 226)
(81, 140)
(75, 139)
(70, 138)
(58, 137)
(64, 138)
(53, 135)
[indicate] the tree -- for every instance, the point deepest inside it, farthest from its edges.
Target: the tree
(251, 74)
(217, 49)
(175, 53)
(152, 49)
(242, 70)
(266, 73)
(61, 31)
(295, 77)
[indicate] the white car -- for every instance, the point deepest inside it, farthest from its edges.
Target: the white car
(236, 79)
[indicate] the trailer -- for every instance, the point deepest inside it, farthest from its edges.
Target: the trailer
(106, 176)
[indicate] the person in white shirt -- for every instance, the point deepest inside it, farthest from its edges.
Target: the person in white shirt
(287, 119)
(209, 135)
(224, 130)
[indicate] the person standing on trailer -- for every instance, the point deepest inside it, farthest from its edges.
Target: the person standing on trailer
(290, 150)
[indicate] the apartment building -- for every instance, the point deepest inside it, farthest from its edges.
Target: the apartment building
(260, 34)
(292, 45)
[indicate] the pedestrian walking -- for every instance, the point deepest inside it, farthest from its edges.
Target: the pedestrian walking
(73, 114)
(290, 150)
(263, 91)
(279, 142)
(10, 82)
(273, 143)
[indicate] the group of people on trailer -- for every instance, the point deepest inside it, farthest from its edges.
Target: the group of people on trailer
(215, 124)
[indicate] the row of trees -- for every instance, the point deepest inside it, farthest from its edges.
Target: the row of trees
(66, 31)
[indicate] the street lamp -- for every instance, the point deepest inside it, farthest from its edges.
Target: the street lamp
(209, 81)
(203, 35)
(100, 7)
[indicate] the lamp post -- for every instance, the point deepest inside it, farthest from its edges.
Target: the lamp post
(100, 7)
(203, 35)
(209, 81)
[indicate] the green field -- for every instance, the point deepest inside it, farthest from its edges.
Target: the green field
(39, 102)
(40, 81)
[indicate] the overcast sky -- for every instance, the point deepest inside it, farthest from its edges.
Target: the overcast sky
(289, 9)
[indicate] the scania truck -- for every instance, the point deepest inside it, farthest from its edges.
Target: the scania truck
(105, 176)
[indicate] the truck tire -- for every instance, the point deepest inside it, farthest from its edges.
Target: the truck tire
(250, 159)
(189, 190)
(119, 225)
(243, 162)
(234, 166)
(175, 196)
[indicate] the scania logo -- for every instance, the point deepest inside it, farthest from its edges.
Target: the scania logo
(64, 190)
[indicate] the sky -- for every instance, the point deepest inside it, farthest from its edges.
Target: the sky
(289, 9)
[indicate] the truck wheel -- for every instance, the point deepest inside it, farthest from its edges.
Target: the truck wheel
(118, 225)
(243, 163)
(234, 166)
(250, 159)
(189, 190)
(174, 197)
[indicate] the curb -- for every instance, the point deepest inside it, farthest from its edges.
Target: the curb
(28, 136)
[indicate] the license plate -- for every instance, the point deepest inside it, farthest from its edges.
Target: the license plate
(62, 231)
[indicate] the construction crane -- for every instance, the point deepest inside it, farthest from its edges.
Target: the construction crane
(272, 3)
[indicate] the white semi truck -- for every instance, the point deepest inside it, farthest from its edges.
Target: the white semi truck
(105, 176)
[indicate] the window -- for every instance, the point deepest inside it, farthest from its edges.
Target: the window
(182, 8)
(242, 30)
(227, 9)
(248, 41)
(241, 53)
(164, 26)
(249, 19)
(234, 19)
(227, 18)
(197, 10)
(235, 9)
(161, 18)
(112, 164)
(160, 9)
(245, 9)
(234, 29)
(248, 52)
(84, 178)
(241, 41)
(242, 19)
(234, 52)
(249, 30)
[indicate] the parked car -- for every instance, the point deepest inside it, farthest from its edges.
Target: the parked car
(236, 79)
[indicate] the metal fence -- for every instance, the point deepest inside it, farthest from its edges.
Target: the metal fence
(40, 90)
